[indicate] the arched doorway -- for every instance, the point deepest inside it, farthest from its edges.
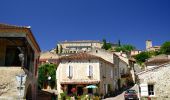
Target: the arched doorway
(29, 93)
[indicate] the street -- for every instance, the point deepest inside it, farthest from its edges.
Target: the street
(121, 96)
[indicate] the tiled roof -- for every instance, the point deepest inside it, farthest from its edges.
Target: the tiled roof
(79, 82)
(159, 58)
(81, 56)
(6, 28)
(48, 55)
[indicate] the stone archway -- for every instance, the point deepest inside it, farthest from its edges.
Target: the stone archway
(29, 93)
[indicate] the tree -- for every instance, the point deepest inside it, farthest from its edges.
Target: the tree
(165, 48)
(124, 48)
(106, 45)
(56, 49)
(44, 72)
(142, 57)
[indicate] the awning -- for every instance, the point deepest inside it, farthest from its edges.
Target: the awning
(80, 82)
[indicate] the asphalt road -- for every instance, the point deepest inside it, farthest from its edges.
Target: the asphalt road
(121, 96)
(118, 97)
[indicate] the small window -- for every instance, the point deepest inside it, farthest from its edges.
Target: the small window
(151, 89)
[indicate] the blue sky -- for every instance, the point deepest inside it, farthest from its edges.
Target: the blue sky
(131, 21)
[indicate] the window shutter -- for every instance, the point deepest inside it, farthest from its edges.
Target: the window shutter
(144, 89)
(71, 71)
(91, 70)
(111, 73)
(87, 71)
(67, 71)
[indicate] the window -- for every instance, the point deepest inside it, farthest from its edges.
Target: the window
(90, 71)
(111, 73)
(115, 71)
(151, 89)
(70, 71)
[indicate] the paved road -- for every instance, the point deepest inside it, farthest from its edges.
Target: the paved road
(121, 96)
(118, 97)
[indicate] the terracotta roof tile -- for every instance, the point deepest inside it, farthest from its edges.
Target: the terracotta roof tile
(81, 56)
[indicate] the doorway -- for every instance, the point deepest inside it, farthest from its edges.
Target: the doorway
(80, 90)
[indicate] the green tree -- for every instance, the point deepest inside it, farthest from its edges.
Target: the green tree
(124, 48)
(142, 57)
(61, 49)
(56, 49)
(106, 45)
(44, 72)
(165, 48)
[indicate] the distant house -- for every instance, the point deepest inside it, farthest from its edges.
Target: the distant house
(19, 55)
(154, 82)
(83, 69)
(150, 47)
(135, 52)
(69, 47)
(48, 57)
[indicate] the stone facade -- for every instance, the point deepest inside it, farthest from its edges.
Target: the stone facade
(159, 77)
(78, 46)
(102, 74)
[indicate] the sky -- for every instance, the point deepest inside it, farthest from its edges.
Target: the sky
(130, 21)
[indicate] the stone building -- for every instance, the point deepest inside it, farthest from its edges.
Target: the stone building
(150, 47)
(123, 66)
(78, 46)
(125, 69)
(83, 69)
(154, 82)
(48, 57)
(19, 55)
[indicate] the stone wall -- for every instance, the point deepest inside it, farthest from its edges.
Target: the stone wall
(161, 80)
(8, 82)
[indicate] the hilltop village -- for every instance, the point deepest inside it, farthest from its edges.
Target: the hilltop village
(80, 69)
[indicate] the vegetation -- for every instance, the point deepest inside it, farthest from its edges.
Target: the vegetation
(124, 48)
(140, 58)
(56, 49)
(165, 48)
(106, 45)
(44, 72)
(143, 56)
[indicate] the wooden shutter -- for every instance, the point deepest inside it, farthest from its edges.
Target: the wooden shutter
(111, 73)
(87, 70)
(67, 71)
(71, 71)
(90, 70)
(144, 89)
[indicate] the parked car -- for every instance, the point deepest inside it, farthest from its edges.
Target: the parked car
(131, 95)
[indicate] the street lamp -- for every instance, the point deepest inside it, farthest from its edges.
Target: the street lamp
(21, 78)
(49, 78)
